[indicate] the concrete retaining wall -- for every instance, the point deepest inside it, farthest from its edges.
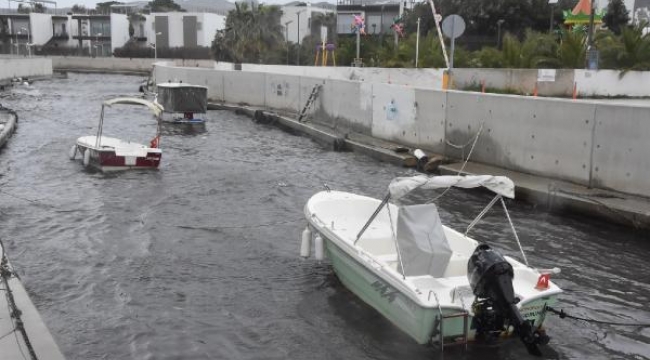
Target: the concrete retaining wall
(522, 81)
(143, 65)
(24, 67)
(588, 143)
(423, 78)
(611, 83)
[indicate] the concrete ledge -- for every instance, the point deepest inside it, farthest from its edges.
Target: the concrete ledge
(566, 197)
(102, 71)
(375, 148)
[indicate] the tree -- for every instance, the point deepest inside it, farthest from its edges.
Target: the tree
(251, 35)
(35, 7)
(105, 7)
(164, 6)
(617, 16)
(78, 9)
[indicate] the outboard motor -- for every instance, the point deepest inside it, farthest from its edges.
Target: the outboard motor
(490, 277)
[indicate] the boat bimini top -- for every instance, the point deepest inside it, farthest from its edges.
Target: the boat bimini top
(409, 216)
(401, 186)
(157, 109)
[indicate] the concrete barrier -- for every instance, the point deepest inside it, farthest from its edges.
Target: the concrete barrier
(548, 137)
(244, 88)
(282, 92)
(587, 143)
(612, 83)
(13, 67)
(113, 64)
(621, 149)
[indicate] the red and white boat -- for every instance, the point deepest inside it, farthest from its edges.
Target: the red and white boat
(110, 154)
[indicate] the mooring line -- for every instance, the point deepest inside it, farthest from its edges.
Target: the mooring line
(563, 315)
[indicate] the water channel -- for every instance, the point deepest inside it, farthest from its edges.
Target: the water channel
(199, 260)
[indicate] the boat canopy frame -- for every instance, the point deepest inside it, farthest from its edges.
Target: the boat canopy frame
(502, 187)
(155, 108)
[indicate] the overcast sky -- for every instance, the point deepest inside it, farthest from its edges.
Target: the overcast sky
(91, 3)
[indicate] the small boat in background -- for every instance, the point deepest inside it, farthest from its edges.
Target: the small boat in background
(434, 283)
(182, 101)
(108, 153)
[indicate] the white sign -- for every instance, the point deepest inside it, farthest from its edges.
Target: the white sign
(552, 1)
(546, 75)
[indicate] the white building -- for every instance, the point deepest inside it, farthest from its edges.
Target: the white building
(296, 20)
(100, 35)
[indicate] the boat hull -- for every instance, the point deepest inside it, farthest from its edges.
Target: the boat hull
(420, 322)
(107, 160)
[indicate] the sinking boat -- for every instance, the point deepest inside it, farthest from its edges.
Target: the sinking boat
(435, 283)
(106, 153)
(182, 101)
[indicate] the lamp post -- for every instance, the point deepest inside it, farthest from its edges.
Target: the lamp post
(16, 44)
(29, 50)
(298, 26)
(417, 45)
(155, 46)
(286, 37)
(499, 23)
(97, 43)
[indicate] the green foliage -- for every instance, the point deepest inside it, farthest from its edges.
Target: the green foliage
(573, 50)
(35, 8)
(78, 9)
(105, 7)
(163, 6)
(617, 16)
(251, 35)
(629, 51)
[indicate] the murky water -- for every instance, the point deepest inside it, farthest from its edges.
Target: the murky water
(199, 260)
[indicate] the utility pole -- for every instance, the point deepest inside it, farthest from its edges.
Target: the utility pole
(417, 45)
(286, 37)
(298, 25)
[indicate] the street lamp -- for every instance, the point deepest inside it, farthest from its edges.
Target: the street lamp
(499, 23)
(286, 37)
(29, 41)
(155, 46)
(298, 25)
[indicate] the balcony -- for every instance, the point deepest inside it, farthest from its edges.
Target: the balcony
(92, 37)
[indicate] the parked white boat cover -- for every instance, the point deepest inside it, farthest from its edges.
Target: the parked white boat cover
(422, 243)
(401, 186)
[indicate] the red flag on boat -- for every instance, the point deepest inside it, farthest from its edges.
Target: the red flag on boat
(154, 142)
(542, 281)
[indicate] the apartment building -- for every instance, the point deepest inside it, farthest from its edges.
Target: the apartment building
(99, 35)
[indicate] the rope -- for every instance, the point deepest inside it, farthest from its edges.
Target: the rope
(7, 334)
(563, 315)
(478, 133)
(6, 273)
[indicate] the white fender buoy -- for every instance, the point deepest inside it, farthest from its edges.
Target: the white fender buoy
(87, 157)
(305, 245)
(73, 152)
(318, 247)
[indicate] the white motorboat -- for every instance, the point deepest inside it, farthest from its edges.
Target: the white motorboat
(436, 284)
(109, 154)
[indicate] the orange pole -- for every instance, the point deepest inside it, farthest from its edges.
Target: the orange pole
(535, 90)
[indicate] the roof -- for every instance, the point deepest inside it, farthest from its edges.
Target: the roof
(155, 108)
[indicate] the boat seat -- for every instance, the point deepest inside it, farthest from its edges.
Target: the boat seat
(457, 265)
